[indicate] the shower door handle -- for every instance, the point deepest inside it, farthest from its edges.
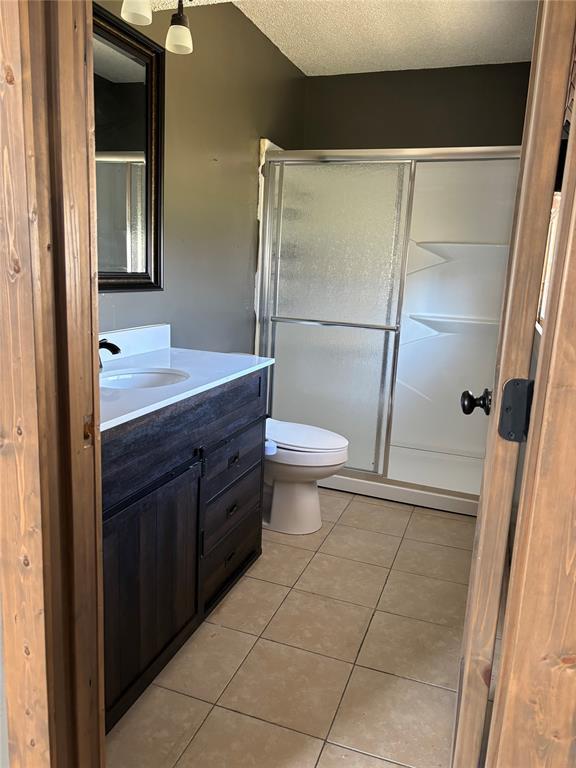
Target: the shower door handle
(468, 402)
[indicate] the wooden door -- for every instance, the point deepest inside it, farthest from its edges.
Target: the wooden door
(533, 724)
(550, 75)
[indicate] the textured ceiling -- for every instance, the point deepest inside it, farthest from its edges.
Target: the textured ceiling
(328, 37)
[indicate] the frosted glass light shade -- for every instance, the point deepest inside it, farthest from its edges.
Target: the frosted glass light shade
(179, 39)
(138, 12)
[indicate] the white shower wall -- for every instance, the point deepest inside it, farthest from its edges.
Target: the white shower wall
(455, 273)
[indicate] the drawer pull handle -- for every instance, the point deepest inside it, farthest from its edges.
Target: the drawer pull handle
(234, 460)
(229, 559)
(231, 511)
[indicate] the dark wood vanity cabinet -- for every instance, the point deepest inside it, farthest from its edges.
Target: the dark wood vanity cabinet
(182, 495)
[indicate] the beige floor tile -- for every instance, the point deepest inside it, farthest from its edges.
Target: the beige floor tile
(383, 502)
(155, 730)
(338, 757)
(204, 666)
(421, 597)
(231, 740)
(434, 560)
(249, 606)
(320, 624)
(289, 687)
(309, 541)
(348, 580)
(439, 530)
(280, 564)
(332, 504)
(412, 648)
(376, 517)
(396, 719)
(364, 546)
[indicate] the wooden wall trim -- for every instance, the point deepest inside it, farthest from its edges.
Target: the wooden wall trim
(50, 553)
(551, 65)
(533, 718)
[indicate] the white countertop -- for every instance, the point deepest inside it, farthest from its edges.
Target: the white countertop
(206, 370)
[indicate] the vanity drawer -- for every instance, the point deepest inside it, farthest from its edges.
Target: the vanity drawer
(230, 557)
(230, 507)
(231, 460)
(141, 451)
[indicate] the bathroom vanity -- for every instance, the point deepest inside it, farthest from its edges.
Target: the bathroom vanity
(181, 494)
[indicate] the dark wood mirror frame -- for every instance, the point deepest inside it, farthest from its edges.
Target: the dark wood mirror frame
(109, 27)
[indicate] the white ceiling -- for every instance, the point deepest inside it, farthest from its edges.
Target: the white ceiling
(328, 37)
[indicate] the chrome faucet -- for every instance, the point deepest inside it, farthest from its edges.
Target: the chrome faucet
(110, 346)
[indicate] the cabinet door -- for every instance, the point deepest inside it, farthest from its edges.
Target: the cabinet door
(150, 589)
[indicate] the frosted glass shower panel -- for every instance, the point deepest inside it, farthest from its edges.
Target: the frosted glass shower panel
(332, 377)
(341, 240)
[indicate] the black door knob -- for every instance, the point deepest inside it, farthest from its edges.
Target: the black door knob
(468, 402)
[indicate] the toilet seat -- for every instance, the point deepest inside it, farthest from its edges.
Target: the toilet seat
(304, 438)
(309, 458)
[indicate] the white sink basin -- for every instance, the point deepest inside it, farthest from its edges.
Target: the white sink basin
(138, 378)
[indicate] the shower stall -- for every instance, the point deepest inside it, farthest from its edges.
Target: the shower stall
(381, 278)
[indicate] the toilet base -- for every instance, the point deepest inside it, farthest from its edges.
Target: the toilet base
(295, 508)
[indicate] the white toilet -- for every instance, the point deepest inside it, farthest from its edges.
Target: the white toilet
(304, 455)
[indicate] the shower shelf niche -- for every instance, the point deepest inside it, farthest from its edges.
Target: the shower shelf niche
(456, 323)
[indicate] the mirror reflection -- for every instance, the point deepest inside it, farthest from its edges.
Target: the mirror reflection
(128, 81)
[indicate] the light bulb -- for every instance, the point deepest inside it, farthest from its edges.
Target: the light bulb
(138, 12)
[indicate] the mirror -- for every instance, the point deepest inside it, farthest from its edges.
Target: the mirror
(129, 108)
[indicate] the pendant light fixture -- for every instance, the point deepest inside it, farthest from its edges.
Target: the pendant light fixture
(179, 39)
(137, 12)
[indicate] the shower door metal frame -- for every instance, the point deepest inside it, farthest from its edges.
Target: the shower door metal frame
(267, 303)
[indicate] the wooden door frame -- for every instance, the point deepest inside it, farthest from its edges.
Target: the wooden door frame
(50, 527)
(549, 80)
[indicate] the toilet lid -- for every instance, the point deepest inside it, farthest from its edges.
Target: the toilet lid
(303, 437)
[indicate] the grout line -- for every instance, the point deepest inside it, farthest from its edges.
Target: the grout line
(184, 693)
(427, 575)
(306, 650)
(181, 755)
(417, 618)
(405, 677)
(435, 543)
(268, 722)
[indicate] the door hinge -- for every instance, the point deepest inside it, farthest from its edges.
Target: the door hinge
(515, 410)
(202, 462)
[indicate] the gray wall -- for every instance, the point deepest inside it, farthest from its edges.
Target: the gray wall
(453, 107)
(234, 89)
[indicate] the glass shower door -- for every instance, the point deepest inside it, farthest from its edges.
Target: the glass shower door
(337, 233)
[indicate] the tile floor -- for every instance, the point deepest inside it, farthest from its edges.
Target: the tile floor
(337, 650)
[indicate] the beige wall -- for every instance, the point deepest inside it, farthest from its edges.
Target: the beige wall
(234, 89)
